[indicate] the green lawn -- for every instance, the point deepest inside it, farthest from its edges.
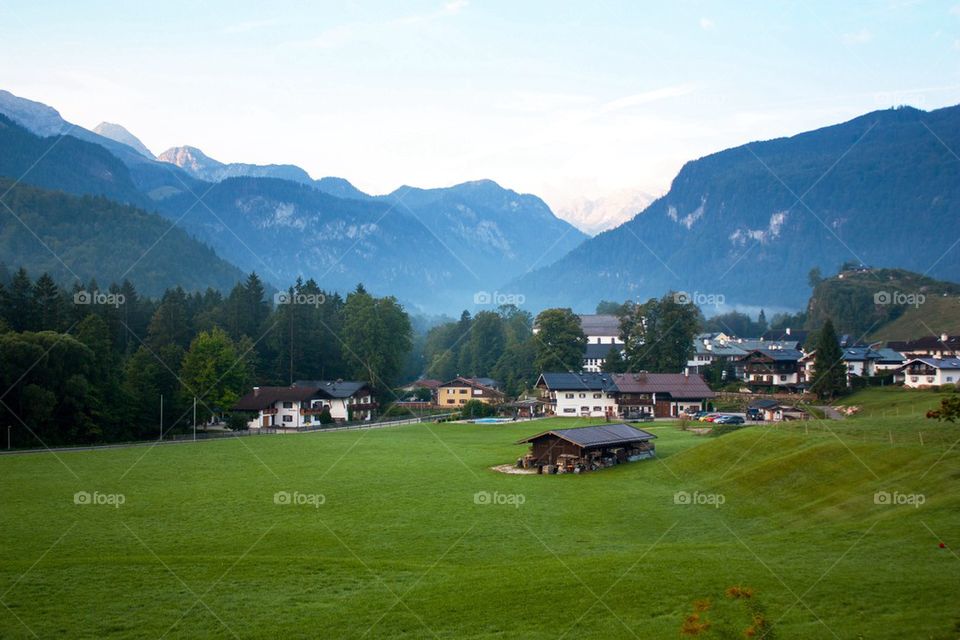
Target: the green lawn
(400, 548)
(893, 401)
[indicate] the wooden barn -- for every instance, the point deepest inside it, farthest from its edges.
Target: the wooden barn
(587, 448)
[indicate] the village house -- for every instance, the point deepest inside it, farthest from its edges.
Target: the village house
(301, 404)
(587, 448)
(455, 393)
(709, 348)
(660, 395)
(578, 394)
(929, 372)
(772, 369)
(942, 346)
(603, 333)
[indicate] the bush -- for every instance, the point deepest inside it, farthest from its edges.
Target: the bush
(325, 417)
(948, 388)
(236, 421)
(476, 409)
(723, 429)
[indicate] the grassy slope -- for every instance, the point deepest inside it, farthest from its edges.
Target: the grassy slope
(400, 518)
(936, 315)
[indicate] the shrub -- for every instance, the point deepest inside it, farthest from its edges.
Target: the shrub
(236, 421)
(476, 409)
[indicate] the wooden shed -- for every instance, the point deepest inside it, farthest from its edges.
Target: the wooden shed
(587, 448)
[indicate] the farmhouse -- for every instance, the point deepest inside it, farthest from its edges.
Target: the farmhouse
(578, 394)
(709, 348)
(456, 392)
(587, 448)
(769, 369)
(928, 372)
(660, 395)
(595, 355)
(942, 346)
(301, 404)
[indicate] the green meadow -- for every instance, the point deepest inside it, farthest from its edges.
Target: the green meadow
(835, 528)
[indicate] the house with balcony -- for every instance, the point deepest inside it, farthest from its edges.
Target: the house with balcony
(929, 372)
(711, 348)
(660, 395)
(942, 346)
(453, 394)
(772, 369)
(574, 395)
(301, 404)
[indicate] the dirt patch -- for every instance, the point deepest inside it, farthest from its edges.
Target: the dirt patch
(512, 469)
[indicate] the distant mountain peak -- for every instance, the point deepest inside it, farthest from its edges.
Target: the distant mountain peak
(190, 158)
(36, 117)
(119, 133)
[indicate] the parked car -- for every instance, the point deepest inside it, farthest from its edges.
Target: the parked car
(711, 417)
(754, 414)
(728, 420)
(698, 414)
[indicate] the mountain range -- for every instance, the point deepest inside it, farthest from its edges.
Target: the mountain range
(744, 227)
(738, 228)
(433, 248)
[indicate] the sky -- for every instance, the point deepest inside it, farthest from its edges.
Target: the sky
(562, 99)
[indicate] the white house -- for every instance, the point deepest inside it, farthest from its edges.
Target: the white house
(928, 372)
(709, 348)
(301, 404)
(578, 394)
(601, 328)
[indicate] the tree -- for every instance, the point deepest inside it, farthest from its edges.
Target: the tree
(659, 335)
(815, 277)
(949, 410)
(560, 343)
(762, 321)
(829, 370)
(18, 309)
(49, 309)
(615, 362)
(213, 372)
(377, 337)
(170, 323)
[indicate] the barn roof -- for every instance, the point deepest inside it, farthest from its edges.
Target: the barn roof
(598, 435)
(332, 388)
(577, 381)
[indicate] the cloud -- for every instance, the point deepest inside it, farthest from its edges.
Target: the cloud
(707, 24)
(647, 97)
(955, 10)
(344, 34)
(251, 25)
(862, 36)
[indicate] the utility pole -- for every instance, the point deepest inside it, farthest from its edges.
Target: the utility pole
(194, 418)
(9, 428)
(161, 417)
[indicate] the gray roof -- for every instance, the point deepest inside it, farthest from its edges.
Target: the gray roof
(887, 354)
(599, 435)
(938, 363)
(600, 351)
(578, 381)
(332, 388)
(784, 355)
(600, 325)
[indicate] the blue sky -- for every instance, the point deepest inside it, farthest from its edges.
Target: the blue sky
(561, 99)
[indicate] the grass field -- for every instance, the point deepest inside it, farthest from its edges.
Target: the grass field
(400, 548)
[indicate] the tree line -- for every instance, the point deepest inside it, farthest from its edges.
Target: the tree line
(89, 365)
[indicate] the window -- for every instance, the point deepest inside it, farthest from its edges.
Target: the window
(478, 392)
(569, 410)
(583, 395)
(463, 391)
(288, 418)
(598, 395)
(288, 405)
(306, 419)
(949, 378)
(585, 409)
(451, 402)
(568, 396)
(783, 378)
(598, 408)
(913, 378)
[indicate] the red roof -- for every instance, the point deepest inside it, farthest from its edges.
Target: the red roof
(677, 385)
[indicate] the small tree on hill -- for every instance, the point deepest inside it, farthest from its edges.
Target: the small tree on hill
(829, 370)
(949, 410)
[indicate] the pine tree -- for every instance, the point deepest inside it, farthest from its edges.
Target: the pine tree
(829, 369)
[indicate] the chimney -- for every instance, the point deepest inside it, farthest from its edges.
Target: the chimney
(686, 372)
(788, 330)
(943, 338)
(256, 391)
